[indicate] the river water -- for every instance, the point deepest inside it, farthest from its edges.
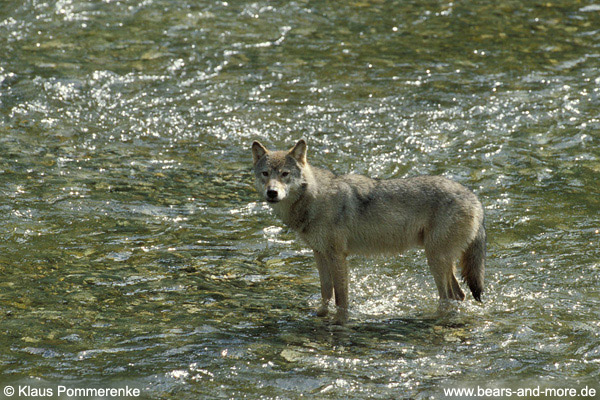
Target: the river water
(135, 251)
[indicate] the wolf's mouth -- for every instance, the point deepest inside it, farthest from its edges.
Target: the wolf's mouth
(272, 200)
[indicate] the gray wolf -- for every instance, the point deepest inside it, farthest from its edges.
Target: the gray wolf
(338, 215)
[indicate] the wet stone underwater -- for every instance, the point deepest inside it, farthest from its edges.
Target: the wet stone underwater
(136, 252)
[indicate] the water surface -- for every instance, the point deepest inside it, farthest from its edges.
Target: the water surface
(136, 252)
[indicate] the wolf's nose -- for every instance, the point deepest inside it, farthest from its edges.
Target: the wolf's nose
(271, 194)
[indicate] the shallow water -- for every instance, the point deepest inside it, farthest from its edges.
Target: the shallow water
(136, 252)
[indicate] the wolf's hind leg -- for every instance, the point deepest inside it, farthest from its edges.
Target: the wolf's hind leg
(457, 293)
(442, 270)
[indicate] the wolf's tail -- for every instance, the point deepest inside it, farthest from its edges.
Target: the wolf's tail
(473, 263)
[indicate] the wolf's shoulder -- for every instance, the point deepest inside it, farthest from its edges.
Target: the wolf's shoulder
(322, 173)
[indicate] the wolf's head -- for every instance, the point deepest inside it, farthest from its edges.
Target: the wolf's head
(280, 175)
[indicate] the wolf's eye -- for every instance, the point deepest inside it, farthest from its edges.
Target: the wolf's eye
(265, 173)
(284, 174)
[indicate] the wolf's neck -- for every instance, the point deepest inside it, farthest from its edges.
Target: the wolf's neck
(295, 212)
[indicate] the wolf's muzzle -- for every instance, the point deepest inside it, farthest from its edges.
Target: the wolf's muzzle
(272, 195)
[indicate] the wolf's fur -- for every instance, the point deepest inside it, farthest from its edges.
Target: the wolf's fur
(338, 215)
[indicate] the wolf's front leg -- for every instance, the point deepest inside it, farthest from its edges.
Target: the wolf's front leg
(339, 273)
(326, 283)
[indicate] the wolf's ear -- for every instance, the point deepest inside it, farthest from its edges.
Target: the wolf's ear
(299, 151)
(258, 150)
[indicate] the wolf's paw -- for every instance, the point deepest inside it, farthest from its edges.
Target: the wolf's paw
(341, 317)
(322, 311)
